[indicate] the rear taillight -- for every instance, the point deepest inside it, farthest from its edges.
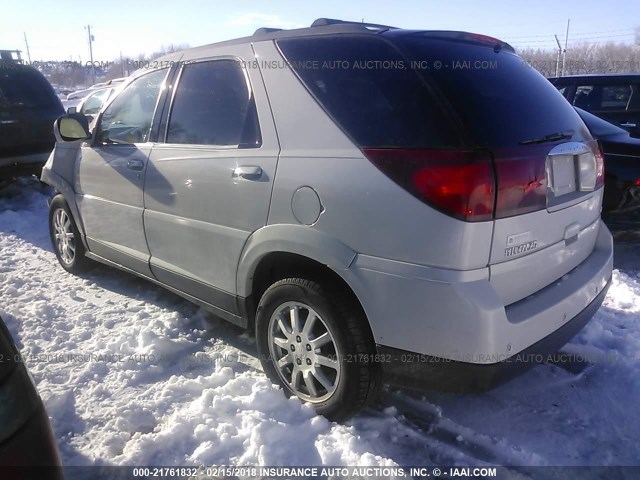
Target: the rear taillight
(597, 152)
(458, 183)
(522, 180)
(637, 182)
(478, 185)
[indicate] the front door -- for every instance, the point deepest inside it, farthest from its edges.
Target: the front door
(110, 177)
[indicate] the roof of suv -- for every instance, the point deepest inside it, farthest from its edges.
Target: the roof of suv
(328, 26)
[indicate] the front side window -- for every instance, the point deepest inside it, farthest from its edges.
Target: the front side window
(213, 105)
(128, 118)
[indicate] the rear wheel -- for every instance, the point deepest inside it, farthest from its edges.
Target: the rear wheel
(65, 237)
(315, 343)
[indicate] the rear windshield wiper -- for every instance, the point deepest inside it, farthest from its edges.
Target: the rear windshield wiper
(548, 138)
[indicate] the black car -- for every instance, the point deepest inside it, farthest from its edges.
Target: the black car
(621, 204)
(28, 108)
(614, 97)
(27, 444)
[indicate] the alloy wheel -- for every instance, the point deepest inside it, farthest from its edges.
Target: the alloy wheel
(65, 240)
(304, 352)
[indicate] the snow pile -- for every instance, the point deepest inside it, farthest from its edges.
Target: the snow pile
(132, 374)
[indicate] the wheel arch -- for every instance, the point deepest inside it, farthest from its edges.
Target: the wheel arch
(63, 188)
(280, 251)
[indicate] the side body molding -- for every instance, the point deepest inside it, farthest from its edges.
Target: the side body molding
(297, 239)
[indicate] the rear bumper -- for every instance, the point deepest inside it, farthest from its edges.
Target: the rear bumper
(458, 316)
(412, 370)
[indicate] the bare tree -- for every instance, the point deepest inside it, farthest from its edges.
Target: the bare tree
(587, 58)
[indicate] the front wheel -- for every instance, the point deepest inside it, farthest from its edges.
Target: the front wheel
(315, 343)
(65, 237)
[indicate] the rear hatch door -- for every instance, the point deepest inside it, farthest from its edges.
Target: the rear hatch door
(548, 167)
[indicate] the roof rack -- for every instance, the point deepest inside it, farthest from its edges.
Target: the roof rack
(323, 22)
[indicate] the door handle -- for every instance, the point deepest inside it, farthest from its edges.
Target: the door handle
(628, 125)
(247, 171)
(136, 165)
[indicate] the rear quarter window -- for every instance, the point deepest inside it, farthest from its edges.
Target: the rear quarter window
(366, 85)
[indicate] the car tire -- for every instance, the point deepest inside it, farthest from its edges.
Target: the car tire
(315, 342)
(65, 237)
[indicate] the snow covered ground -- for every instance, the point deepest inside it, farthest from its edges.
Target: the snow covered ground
(133, 375)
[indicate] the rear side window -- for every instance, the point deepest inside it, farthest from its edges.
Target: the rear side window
(366, 85)
(22, 87)
(500, 99)
(603, 97)
(213, 105)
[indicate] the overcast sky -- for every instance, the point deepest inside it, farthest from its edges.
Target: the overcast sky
(55, 30)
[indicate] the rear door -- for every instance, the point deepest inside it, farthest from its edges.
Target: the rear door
(110, 176)
(209, 181)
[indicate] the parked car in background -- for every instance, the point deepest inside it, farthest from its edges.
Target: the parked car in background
(26, 438)
(613, 97)
(621, 204)
(75, 98)
(79, 94)
(92, 103)
(362, 220)
(28, 108)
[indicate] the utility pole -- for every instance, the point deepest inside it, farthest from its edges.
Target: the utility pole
(566, 41)
(27, 45)
(93, 68)
(558, 58)
(121, 63)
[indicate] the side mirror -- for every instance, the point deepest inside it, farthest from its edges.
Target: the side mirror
(72, 110)
(71, 127)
